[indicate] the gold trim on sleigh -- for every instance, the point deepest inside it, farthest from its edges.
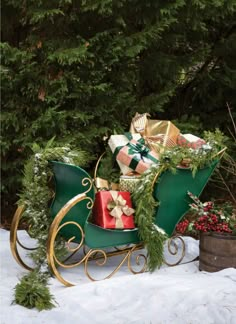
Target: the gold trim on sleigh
(133, 255)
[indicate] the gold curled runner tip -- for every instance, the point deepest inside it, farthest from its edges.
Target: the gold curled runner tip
(171, 242)
(14, 238)
(137, 260)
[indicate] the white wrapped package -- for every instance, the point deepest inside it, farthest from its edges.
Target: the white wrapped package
(121, 140)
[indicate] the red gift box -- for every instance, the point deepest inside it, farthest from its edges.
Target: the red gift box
(116, 203)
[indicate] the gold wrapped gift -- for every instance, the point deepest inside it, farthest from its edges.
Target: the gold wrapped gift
(103, 184)
(158, 134)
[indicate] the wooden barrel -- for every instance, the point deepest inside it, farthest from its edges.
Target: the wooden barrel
(217, 251)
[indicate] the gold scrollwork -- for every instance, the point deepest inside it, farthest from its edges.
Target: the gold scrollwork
(55, 227)
(89, 203)
(85, 182)
(138, 258)
(70, 249)
(101, 257)
(173, 249)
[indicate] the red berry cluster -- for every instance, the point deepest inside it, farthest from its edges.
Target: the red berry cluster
(182, 226)
(209, 218)
(211, 223)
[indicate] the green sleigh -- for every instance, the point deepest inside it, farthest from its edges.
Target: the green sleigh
(71, 214)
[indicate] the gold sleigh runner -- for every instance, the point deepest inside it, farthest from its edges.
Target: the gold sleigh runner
(80, 255)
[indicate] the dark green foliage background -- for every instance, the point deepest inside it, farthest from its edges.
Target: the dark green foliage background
(79, 70)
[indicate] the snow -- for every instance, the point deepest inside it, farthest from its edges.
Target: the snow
(180, 294)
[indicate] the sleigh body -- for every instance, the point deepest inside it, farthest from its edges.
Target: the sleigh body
(71, 214)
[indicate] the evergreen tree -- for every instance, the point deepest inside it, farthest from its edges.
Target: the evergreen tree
(80, 69)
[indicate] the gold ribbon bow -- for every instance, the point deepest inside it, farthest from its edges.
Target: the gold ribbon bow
(118, 207)
(158, 134)
(139, 123)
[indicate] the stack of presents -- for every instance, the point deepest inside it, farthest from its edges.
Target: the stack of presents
(135, 152)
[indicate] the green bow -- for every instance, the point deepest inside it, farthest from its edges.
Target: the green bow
(138, 148)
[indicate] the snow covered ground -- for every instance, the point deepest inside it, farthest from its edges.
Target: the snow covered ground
(171, 295)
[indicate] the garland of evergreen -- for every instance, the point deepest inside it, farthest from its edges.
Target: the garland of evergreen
(145, 204)
(33, 291)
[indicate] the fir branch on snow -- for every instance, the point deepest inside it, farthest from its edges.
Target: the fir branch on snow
(32, 292)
